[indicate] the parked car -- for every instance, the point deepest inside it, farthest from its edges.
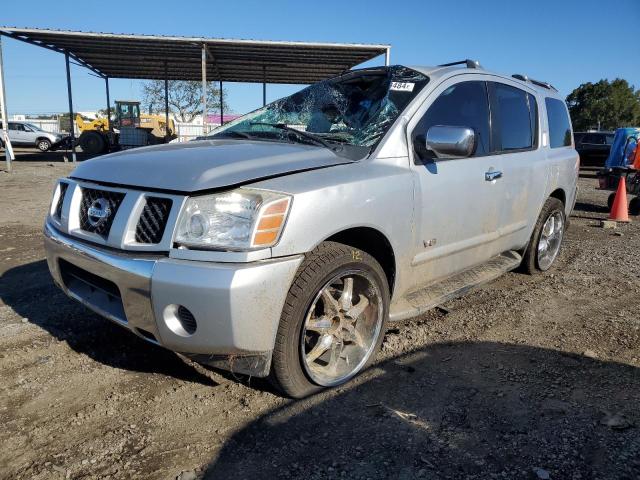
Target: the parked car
(593, 147)
(282, 244)
(28, 134)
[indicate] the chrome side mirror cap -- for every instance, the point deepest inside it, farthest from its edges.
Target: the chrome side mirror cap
(451, 142)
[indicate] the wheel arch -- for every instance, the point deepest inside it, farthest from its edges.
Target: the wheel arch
(375, 243)
(560, 194)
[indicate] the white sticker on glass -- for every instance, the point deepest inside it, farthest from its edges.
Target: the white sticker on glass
(402, 86)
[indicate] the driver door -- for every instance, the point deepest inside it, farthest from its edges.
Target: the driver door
(458, 200)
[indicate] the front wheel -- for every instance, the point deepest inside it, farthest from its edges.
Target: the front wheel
(332, 322)
(43, 144)
(544, 246)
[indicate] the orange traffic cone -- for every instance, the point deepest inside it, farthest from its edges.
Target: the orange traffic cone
(619, 210)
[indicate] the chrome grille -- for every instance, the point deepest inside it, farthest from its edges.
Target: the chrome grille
(93, 198)
(63, 190)
(153, 220)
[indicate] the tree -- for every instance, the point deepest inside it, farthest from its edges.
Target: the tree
(185, 98)
(607, 105)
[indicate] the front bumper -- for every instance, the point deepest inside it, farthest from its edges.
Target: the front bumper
(236, 306)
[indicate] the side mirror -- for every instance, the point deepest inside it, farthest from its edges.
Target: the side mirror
(451, 142)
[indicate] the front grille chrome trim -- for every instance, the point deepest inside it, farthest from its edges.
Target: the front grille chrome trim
(126, 218)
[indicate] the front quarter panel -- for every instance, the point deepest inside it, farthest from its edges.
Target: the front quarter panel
(369, 193)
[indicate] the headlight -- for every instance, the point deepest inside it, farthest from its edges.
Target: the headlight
(241, 219)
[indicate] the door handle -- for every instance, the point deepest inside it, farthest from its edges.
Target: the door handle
(492, 175)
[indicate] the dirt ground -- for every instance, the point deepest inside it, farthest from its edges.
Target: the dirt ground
(527, 377)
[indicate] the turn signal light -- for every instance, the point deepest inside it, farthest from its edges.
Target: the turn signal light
(271, 221)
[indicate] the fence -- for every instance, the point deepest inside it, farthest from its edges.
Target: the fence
(189, 130)
(185, 130)
(50, 125)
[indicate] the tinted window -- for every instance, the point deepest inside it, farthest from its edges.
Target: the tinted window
(577, 137)
(609, 139)
(514, 118)
(559, 126)
(462, 105)
(594, 139)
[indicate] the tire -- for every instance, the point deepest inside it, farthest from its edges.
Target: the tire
(610, 200)
(92, 142)
(531, 261)
(299, 334)
(43, 144)
(634, 206)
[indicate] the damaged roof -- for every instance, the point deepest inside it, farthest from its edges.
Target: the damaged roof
(179, 58)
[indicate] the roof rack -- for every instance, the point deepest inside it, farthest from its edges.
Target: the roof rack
(540, 83)
(468, 62)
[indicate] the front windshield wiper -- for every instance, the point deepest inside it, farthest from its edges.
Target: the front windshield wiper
(310, 136)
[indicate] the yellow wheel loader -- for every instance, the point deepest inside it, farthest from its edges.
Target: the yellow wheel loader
(128, 129)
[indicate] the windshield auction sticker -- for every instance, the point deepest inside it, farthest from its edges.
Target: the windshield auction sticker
(402, 86)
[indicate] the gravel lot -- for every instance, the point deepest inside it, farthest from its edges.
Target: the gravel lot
(527, 377)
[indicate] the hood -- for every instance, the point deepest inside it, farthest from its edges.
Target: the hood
(205, 164)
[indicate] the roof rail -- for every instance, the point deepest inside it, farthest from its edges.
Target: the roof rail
(469, 63)
(540, 83)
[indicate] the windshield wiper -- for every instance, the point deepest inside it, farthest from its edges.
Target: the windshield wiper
(310, 136)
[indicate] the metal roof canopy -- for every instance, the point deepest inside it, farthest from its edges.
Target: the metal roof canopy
(153, 57)
(147, 56)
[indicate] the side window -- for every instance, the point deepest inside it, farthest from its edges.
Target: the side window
(514, 115)
(594, 139)
(608, 139)
(14, 126)
(559, 125)
(464, 104)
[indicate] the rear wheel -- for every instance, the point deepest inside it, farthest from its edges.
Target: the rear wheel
(43, 144)
(634, 206)
(546, 240)
(333, 320)
(610, 200)
(92, 142)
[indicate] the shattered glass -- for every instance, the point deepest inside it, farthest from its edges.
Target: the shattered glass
(355, 109)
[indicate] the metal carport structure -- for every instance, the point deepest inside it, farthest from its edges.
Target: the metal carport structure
(152, 57)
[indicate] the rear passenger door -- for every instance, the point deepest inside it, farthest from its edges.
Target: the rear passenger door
(515, 143)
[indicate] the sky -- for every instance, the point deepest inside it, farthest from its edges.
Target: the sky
(564, 42)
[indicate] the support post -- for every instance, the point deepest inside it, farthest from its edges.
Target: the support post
(387, 57)
(221, 105)
(166, 103)
(106, 83)
(264, 85)
(204, 89)
(71, 120)
(8, 149)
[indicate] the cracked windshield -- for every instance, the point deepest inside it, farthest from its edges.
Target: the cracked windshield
(348, 114)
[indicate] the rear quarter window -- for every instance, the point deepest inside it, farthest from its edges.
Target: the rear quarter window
(559, 125)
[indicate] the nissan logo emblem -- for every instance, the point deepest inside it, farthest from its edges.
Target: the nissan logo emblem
(98, 212)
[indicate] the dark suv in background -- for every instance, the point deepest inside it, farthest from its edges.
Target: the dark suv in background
(593, 147)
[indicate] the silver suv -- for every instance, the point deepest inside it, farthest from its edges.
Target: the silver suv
(29, 135)
(282, 244)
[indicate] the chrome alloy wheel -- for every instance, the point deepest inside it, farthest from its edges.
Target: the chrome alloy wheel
(550, 240)
(341, 328)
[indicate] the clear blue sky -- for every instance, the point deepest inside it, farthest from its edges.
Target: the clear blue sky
(565, 42)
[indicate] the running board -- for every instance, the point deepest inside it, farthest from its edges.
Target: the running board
(425, 298)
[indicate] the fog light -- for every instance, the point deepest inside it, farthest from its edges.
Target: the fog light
(180, 320)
